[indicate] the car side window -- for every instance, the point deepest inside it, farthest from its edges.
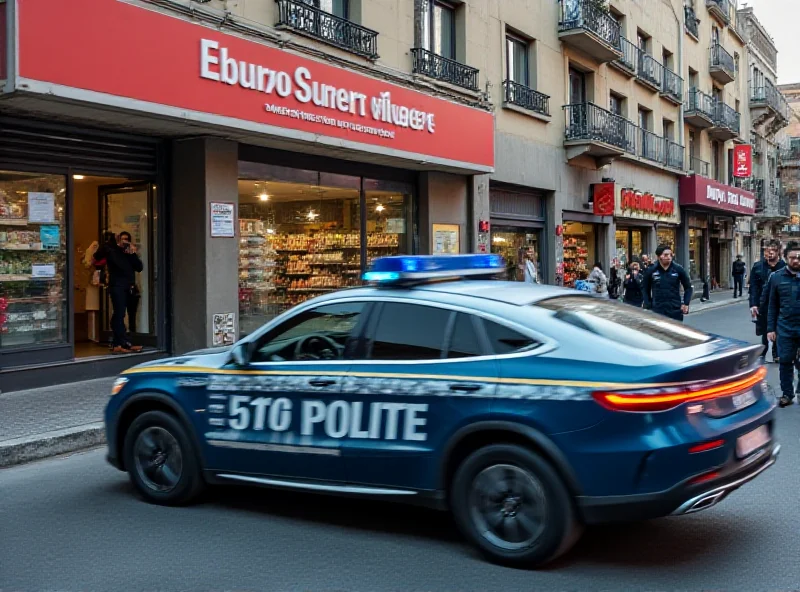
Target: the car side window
(464, 340)
(320, 333)
(505, 340)
(409, 332)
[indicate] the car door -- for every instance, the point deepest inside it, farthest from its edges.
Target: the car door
(420, 376)
(282, 414)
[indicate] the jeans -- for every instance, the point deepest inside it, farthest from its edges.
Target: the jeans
(787, 349)
(119, 303)
(765, 343)
(738, 282)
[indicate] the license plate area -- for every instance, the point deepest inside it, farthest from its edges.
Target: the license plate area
(752, 441)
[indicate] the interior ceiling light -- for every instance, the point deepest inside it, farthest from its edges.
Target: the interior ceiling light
(264, 197)
(379, 208)
(78, 177)
(312, 215)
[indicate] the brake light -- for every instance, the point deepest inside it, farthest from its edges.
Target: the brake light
(706, 446)
(663, 399)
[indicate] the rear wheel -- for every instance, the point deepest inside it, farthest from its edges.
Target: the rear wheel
(161, 459)
(511, 504)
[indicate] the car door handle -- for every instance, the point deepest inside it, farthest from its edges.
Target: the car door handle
(465, 388)
(321, 382)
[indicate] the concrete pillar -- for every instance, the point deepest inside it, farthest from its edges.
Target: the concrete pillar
(443, 199)
(479, 209)
(205, 270)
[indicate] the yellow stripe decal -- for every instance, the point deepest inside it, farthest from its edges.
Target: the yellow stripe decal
(490, 380)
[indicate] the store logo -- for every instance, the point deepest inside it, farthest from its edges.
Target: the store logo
(647, 203)
(216, 64)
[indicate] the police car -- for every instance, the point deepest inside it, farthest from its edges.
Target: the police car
(528, 411)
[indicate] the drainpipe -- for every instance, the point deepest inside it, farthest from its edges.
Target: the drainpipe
(681, 17)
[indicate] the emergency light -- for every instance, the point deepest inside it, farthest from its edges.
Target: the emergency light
(415, 268)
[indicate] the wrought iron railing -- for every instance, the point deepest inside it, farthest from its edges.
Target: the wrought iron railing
(650, 69)
(651, 146)
(700, 167)
(527, 98)
(586, 15)
(723, 6)
(770, 96)
(441, 68)
(587, 121)
(720, 58)
(784, 202)
(692, 22)
(673, 85)
(675, 155)
(327, 27)
(726, 116)
(630, 55)
(699, 102)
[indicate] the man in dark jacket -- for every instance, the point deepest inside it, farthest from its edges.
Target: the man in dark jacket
(123, 264)
(633, 287)
(661, 286)
(759, 275)
(783, 318)
(738, 271)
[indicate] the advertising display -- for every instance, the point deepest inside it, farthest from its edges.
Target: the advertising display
(700, 191)
(643, 205)
(742, 160)
(196, 73)
(603, 196)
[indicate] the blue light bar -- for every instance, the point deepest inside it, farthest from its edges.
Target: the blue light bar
(429, 267)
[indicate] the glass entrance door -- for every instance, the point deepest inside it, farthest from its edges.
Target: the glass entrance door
(130, 208)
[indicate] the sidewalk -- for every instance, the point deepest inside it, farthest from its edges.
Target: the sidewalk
(718, 298)
(44, 422)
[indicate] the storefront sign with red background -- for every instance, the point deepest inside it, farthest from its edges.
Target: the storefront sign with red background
(603, 195)
(742, 160)
(202, 74)
(643, 205)
(700, 191)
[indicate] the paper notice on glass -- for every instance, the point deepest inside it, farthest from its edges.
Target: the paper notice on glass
(222, 220)
(224, 327)
(43, 271)
(396, 225)
(50, 237)
(446, 239)
(41, 207)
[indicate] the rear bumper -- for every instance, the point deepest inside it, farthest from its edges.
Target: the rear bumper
(684, 498)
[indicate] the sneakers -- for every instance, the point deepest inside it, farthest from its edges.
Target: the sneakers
(785, 401)
(126, 349)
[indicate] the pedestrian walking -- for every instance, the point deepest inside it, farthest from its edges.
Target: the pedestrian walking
(633, 286)
(783, 318)
(661, 286)
(739, 269)
(759, 275)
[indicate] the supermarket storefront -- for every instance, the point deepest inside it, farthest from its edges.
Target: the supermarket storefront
(252, 178)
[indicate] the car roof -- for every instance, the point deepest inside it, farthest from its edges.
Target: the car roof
(513, 293)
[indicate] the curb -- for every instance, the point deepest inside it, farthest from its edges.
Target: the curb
(30, 448)
(720, 304)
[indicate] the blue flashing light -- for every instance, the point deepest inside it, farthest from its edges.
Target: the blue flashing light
(422, 267)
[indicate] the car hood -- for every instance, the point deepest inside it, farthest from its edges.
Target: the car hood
(205, 358)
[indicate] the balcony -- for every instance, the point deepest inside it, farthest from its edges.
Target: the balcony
(767, 102)
(441, 68)
(675, 155)
(790, 157)
(650, 72)
(652, 147)
(586, 27)
(692, 22)
(672, 88)
(699, 167)
(726, 122)
(526, 98)
(592, 131)
(699, 109)
(720, 10)
(323, 26)
(629, 61)
(722, 66)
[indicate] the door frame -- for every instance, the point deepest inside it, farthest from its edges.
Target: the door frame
(150, 339)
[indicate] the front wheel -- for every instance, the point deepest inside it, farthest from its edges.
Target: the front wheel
(161, 459)
(512, 505)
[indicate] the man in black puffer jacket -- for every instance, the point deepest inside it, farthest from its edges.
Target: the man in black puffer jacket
(759, 276)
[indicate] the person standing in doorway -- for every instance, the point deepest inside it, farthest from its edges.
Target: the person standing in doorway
(783, 318)
(123, 264)
(661, 286)
(529, 261)
(759, 275)
(738, 271)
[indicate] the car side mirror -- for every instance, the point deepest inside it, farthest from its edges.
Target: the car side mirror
(242, 353)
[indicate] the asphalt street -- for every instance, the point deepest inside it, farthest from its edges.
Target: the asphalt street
(74, 523)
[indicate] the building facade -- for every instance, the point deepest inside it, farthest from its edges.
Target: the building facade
(770, 113)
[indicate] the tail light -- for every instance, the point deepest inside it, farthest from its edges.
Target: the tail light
(663, 399)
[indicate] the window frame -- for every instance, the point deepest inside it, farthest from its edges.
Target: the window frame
(346, 4)
(431, 37)
(511, 40)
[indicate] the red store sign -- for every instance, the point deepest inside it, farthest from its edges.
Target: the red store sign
(700, 191)
(141, 59)
(644, 205)
(742, 160)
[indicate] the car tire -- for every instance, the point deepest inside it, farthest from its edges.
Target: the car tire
(513, 506)
(161, 460)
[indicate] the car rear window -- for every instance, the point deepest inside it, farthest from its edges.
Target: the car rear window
(623, 323)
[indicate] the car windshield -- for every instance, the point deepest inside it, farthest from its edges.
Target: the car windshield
(623, 324)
